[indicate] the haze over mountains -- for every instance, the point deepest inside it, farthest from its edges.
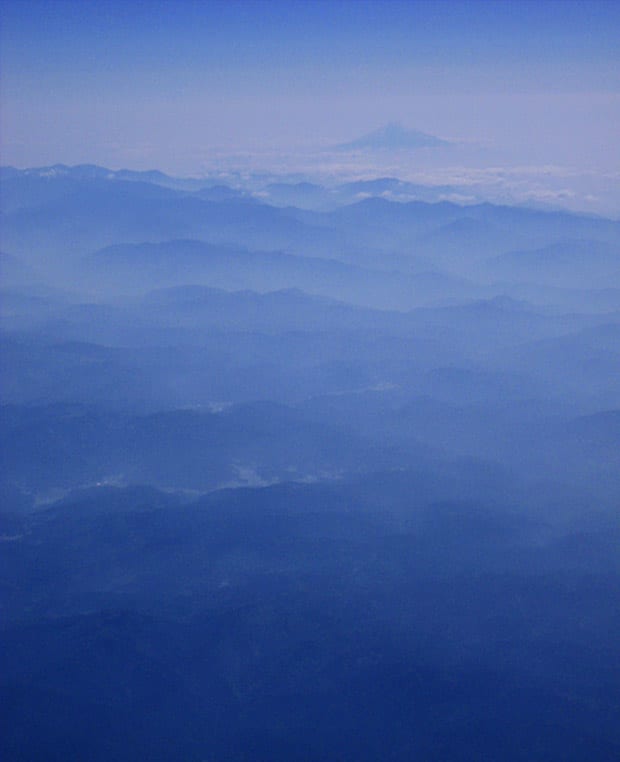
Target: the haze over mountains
(396, 161)
(293, 470)
(309, 381)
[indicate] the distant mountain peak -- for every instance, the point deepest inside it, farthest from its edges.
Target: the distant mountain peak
(393, 136)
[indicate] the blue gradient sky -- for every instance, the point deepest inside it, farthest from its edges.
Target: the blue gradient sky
(164, 84)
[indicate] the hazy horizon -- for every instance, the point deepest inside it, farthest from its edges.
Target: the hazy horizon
(531, 88)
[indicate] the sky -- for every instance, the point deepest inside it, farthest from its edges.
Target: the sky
(175, 85)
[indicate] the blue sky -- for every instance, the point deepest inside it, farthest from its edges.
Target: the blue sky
(164, 83)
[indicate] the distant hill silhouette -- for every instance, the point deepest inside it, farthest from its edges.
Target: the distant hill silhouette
(393, 137)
